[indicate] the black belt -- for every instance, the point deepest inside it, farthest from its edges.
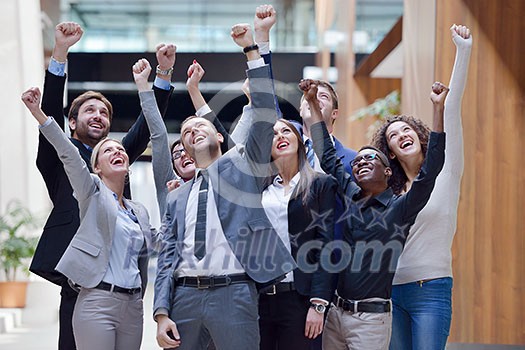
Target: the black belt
(114, 288)
(279, 288)
(205, 282)
(362, 306)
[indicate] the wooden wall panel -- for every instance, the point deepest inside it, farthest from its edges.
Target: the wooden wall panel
(488, 248)
(355, 93)
(488, 251)
(418, 58)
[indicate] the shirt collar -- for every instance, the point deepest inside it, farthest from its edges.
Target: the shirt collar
(277, 181)
(383, 198)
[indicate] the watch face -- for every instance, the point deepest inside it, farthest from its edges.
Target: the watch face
(320, 308)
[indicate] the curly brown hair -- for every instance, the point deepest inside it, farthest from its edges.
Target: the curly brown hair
(398, 179)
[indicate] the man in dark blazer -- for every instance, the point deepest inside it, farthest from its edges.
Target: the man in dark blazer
(89, 121)
(214, 296)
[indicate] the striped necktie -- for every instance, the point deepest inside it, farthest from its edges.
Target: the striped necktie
(310, 155)
(200, 224)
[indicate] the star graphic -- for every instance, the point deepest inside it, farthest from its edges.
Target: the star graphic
(353, 211)
(400, 231)
(319, 220)
(294, 239)
(379, 218)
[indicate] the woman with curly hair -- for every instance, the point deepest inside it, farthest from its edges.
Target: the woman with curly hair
(422, 290)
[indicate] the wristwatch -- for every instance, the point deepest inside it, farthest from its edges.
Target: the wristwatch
(164, 72)
(250, 48)
(319, 308)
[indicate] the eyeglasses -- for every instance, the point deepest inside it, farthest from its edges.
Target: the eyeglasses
(367, 157)
(177, 154)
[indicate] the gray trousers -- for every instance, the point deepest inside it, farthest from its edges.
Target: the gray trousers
(355, 331)
(228, 315)
(106, 320)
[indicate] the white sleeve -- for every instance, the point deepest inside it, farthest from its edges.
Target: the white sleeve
(454, 158)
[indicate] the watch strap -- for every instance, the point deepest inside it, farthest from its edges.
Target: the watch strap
(164, 72)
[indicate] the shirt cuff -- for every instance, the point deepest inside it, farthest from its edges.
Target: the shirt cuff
(160, 311)
(322, 301)
(264, 47)
(203, 111)
(56, 68)
(256, 63)
(161, 83)
(46, 123)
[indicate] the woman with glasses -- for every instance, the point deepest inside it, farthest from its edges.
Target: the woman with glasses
(422, 289)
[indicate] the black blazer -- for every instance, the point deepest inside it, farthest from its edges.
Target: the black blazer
(63, 222)
(313, 222)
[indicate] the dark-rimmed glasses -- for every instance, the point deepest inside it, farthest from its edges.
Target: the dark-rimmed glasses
(177, 154)
(367, 157)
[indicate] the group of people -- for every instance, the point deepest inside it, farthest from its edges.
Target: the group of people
(275, 236)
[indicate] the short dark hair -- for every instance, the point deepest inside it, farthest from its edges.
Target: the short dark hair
(173, 145)
(330, 88)
(88, 95)
(190, 118)
(384, 158)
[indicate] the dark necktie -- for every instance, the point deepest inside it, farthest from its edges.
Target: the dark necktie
(200, 224)
(310, 155)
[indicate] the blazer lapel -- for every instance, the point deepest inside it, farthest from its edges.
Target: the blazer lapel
(107, 214)
(84, 152)
(142, 220)
(180, 214)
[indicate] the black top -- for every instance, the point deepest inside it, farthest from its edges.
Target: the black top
(376, 228)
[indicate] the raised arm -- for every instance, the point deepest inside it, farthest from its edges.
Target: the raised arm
(195, 73)
(259, 141)
(67, 34)
(137, 138)
(419, 194)
(322, 142)
(264, 19)
(453, 127)
(438, 96)
(75, 167)
(161, 158)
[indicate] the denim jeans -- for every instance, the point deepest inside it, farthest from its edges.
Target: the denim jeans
(421, 315)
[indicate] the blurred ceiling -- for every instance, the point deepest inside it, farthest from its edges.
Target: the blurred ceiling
(203, 25)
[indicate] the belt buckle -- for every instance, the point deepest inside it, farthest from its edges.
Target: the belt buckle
(272, 291)
(340, 302)
(355, 303)
(199, 286)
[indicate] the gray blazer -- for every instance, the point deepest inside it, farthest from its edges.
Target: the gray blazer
(86, 259)
(237, 179)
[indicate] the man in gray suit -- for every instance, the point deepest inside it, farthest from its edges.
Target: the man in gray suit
(205, 288)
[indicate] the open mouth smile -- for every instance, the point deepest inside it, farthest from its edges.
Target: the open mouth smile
(282, 145)
(406, 144)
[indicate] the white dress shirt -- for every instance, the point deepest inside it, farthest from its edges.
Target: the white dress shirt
(275, 201)
(219, 259)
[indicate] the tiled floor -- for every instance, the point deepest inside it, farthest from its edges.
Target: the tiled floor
(40, 331)
(43, 335)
